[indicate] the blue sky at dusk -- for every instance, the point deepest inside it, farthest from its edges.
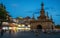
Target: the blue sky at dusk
(25, 8)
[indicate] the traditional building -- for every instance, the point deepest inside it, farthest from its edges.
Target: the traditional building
(43, 21)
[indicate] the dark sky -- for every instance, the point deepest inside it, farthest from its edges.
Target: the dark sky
(25, 8)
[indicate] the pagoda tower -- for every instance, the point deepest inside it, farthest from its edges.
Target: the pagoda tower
(42, 12)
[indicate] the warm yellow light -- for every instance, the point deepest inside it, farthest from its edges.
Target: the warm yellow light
(19, 25)
(10, 28)
(21, 28)
(28, 25)
(28, 28)
(23, 25)
(14, 29)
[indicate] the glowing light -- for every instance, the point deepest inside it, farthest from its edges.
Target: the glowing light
(5, 23)
(20, 28)
(23, 28)
(10, 28)
(5, 28)
(14, 29)
(23, 25)
(27, 28)
(19, 25)
(28, 25)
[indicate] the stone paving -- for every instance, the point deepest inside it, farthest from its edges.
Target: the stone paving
(29, 34)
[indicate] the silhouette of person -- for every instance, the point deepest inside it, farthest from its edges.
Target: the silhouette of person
(2, 32)
(9, 31)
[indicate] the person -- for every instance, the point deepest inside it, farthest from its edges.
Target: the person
(44, 31)
(37, 33)
(9, 31)
(2, 32)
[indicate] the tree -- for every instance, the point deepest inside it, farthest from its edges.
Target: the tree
(4, 15)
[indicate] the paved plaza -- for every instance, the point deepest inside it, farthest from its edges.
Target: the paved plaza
(29, 34)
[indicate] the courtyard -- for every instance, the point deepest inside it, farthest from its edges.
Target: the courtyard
(29, 34)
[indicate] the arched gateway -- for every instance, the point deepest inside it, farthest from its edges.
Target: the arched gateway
(39, 27)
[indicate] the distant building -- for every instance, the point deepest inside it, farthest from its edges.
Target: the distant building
(43, 21)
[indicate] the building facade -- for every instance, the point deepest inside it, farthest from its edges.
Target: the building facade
(43, 21)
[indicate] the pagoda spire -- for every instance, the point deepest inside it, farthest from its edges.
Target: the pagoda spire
(42, 5)
(42, 12)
